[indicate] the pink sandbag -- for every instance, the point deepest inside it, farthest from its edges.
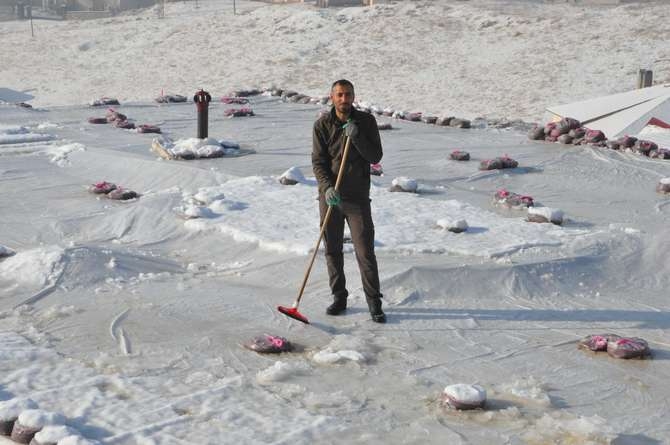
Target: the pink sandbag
(114, 116)
(269, 344)
(459, 155)
(549, 127)
(597, 342)
(234, 100)
(97, 120)
(628, 347)
(644, 147)
(146, 128)
(384, 126)
(511, 199)
(103, 187)
(627, 141)
(238, 112)
(577, 133)
(592, 136)
(376, 169)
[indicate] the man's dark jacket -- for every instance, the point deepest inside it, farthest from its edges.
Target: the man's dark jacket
(327, 148)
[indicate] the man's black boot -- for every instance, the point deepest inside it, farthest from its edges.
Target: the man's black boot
(338, 307)
(375, 306)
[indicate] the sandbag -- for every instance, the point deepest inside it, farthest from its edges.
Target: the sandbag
(269, 344)
(234, 100)
(103, 187)
(125, 125)
(567, 123)
(614, 145)
(384, 126)
(592, 136)
(463, 396)
(498, 163)
(376, 169)
(628, 347)
(549, 127)
(564, 139)
(536, 133)
(459, 123)
(413, 117)
(444, 121)
(113, 116)
(459, 155)
(146, 128)
(238, 112)
(644, 147)
(597, 342)
(512, 200)
(429, 119)
(104, 101)
(171, 98)
(97, 120)
(579, 132)
(627, 141)
(663, 185)
(122, 194)
(661, 153)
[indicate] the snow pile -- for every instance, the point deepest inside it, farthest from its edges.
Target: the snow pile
(59, 154)
(54, 433)
(528, 389)
(190, 148)
(344, 348)
(32, 267)
(292, 176)
(464, 396)
(456, 226)
(38, 418)
(10, 409)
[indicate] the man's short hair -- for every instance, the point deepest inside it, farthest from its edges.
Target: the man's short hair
(342, 82)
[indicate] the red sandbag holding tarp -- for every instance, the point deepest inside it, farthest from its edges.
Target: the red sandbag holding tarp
(97, 120)
(101, 188)
(269, 344)
(238, 112)
(513, 200)
(661, 153)
(498, 163)
(597, 342)
(459, 155)
(146, 128)
(628, 347)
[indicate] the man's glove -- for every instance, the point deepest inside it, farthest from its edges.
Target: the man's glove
(332, 196)
(350, 129)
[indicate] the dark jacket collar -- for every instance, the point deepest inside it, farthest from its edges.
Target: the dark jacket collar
(335, 120)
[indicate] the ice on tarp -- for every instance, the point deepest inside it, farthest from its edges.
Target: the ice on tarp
(19, 134)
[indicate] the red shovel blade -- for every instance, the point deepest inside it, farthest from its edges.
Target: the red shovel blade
(293, 313)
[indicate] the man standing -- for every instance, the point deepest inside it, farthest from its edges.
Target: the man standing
(352, 201)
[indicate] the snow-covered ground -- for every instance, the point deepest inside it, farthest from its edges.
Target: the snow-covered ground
(496, 59)
(128, 318)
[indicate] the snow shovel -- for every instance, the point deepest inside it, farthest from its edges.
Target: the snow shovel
(293, 311)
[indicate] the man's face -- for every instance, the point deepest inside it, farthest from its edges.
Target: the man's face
(342, 97)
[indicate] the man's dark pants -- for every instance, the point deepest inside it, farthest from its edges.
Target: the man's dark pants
(359, 218)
